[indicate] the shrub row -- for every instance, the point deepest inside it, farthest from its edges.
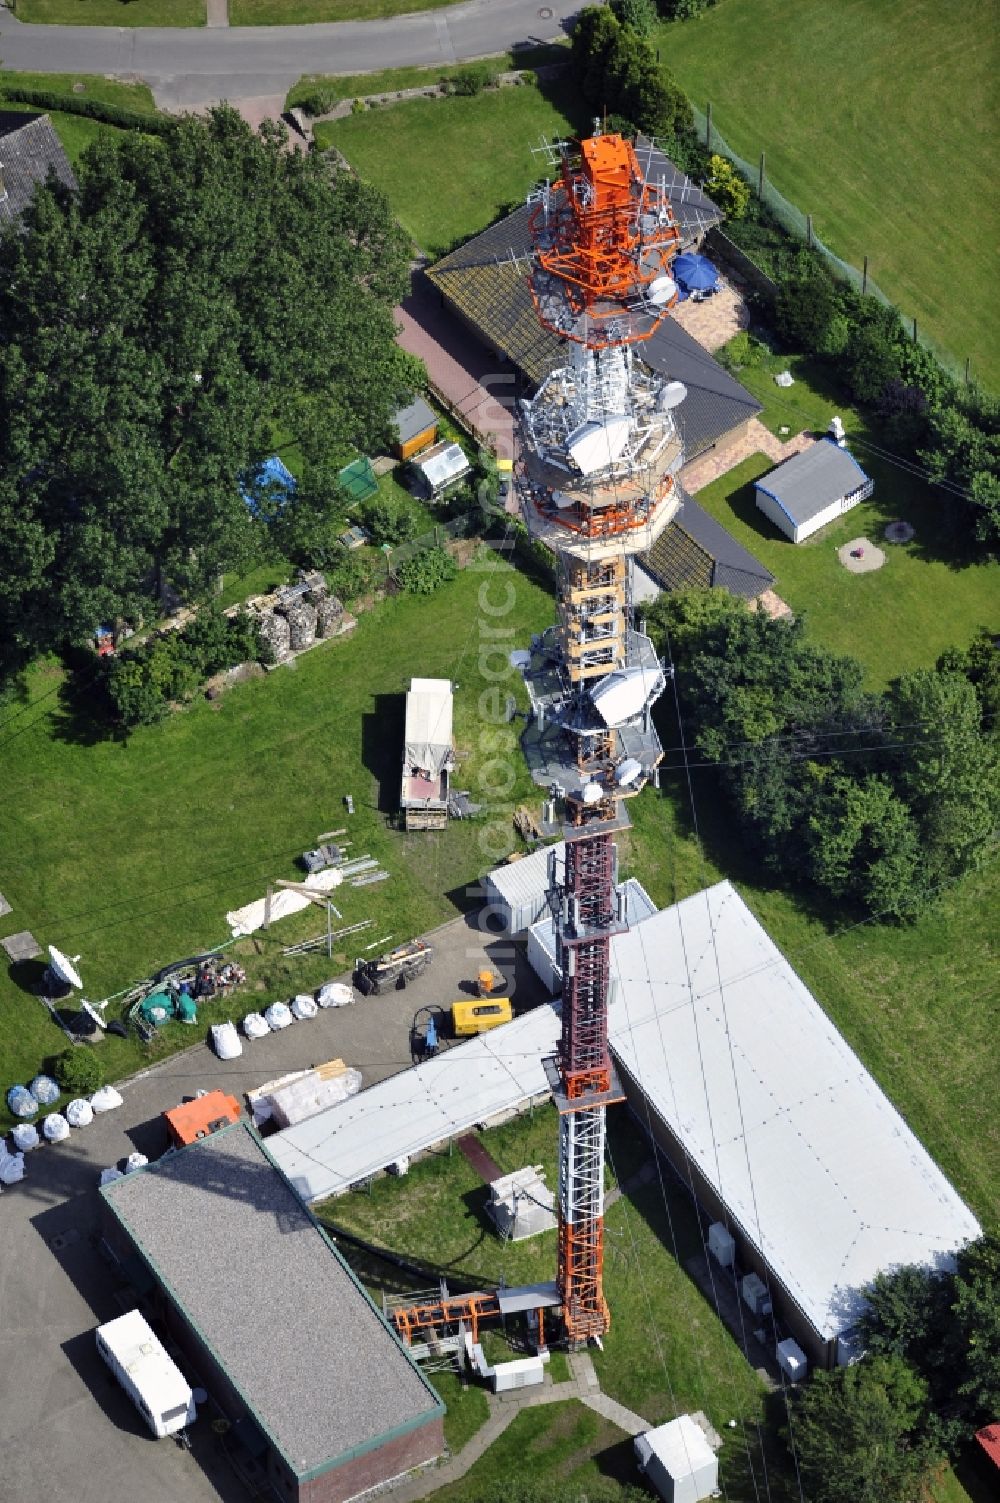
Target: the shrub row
(94, 109)
(142, 682)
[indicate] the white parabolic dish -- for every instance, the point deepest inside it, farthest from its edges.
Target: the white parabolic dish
(64, 968)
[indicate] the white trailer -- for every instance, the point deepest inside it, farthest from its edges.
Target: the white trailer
(153, 1382)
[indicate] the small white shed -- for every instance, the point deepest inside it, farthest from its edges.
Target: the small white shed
(517, 892)
(677, 1461)
(812, 488)
(542, 940)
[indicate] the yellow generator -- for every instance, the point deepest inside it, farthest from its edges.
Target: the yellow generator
(471, 1016)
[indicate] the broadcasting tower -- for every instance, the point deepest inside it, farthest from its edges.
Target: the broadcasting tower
(598, 458)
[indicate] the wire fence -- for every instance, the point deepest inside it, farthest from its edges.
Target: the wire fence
(800, 225)
(441, 533)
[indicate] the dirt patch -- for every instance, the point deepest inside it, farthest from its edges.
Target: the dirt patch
(860, 556)
(217, 685)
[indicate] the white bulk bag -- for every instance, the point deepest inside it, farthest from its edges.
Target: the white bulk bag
(303, 1006)
(55, 1127)
(79, 1113)
(25, 1135)
(44, 1089)
(226, 1041)
(108, 1176)
(106, 1099)
(135, 1161)
(254, 1026)
(11, 1167)
(278, 1016)
(334, 994)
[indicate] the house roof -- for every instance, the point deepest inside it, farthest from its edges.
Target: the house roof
(989, 1439)
(486, 282)
(29, 149)
(809, 482)
(416, 417)
(695, 549)
(266, 1291)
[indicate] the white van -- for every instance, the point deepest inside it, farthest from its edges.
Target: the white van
(152, 1381)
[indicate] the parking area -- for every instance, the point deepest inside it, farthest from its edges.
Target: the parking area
(66, 1429)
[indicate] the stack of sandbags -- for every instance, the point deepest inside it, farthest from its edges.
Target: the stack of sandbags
(301, 618)
(329, 615)
(275, 634)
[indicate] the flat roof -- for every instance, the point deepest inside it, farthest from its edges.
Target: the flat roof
(436, 1100)
(816, 1167)
(269, 1294)
(527, 879)
(810, 481)
(812, 1160)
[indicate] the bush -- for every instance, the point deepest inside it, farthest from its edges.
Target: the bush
(141, 684)
(472, 80)
(388, 523)
(94, 109)
(423, 574)
(78, 1070)
(727, 188)
(641, 15)
(356, 574)
(318, 101)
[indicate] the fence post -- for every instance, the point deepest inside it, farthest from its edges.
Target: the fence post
(864, 278)
(760, 178)
(708, 125)
(914, 331)
(968, 362)
(809, 231)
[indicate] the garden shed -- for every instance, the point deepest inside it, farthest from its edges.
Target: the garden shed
(439, 468)
(517, 893)
(812, 488)
(416, 427)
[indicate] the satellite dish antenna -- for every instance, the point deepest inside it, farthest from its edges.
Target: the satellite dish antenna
(63, 971)
(94, 1010)
(591, 793)
(628, 772)
(672, 395)
(661, 290)
(519, 658)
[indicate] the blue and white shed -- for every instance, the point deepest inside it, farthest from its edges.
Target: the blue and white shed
(812, 488)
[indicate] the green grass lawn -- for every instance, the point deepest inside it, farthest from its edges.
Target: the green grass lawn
(133, 96)
(688, 1360)
(483, 144)
(112, 12)
(305, 12)
(565, 1444)
(386, 81)
(131, 852)
(880, 121)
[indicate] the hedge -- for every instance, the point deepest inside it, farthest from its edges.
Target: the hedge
(95, 109)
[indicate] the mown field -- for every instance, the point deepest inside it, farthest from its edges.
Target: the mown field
(111, 12)
(485, 142)
(879, 120)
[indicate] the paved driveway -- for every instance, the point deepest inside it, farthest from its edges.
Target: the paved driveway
(193, 66)
(66, 1429)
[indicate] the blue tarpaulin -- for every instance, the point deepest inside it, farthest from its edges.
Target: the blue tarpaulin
(271, 477)
(694, 273)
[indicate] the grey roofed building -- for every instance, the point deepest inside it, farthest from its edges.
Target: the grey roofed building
(811, 481)
(413, 419)
(695, 549)
(29, 151)
(485, 282)
(269, 1297)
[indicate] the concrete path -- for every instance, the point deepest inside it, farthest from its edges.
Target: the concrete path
(217, 13)
(756, 440)
(185, 67)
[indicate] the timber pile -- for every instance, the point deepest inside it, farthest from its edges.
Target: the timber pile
(526, 824)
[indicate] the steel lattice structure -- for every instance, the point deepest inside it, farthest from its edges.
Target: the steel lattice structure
(599, 455)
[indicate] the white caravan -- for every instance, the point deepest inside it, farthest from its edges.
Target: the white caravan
(152, 1381)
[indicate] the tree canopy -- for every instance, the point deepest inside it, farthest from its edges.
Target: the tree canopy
(875, 799)
(197, 293)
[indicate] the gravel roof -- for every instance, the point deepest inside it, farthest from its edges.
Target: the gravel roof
(314, 1360)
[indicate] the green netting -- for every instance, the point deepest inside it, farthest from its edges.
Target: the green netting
(792, 219)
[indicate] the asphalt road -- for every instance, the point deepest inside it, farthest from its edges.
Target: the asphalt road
(67, 1431)
(193, 67)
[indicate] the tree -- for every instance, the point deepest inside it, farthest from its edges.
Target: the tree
(863, 843)
(947, 770)
(809, 313)
(422, 574)
(857, 1433)
(725, 186)
(641, 15)
(195, 291)
(946, 1325)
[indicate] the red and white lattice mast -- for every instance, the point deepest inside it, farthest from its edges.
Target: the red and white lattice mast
(599, 454)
